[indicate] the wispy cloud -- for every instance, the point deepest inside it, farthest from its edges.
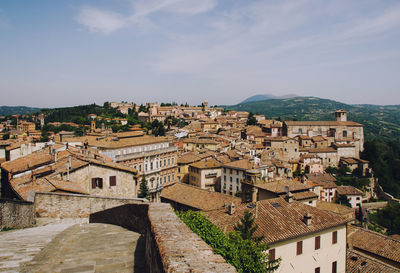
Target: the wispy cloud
(102, 21)
(106, 22)
(255, 34)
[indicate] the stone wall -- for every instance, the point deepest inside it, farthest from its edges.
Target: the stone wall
(61, 205)
(16, 214)
(170, 245)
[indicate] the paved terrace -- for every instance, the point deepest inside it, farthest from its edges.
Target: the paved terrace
(91, 248)
(22, 245)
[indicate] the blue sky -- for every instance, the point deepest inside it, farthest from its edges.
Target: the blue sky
(61, 53)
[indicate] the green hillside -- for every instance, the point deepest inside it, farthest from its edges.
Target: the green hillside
(17, 110)
(378, 121)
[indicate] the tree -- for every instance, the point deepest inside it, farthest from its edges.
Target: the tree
(246, 227)
(251, 120)
(343, 200)
(144, 190)
(389, 217)
(247, 256)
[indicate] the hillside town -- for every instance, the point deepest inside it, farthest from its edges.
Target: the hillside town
(304, 182)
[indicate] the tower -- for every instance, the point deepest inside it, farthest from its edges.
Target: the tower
(341, 115)
(92, 126)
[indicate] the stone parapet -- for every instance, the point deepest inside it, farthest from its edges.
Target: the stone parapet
(62, 205)
(16, 214)
(171, 247)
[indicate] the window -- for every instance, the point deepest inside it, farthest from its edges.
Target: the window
(299, 250)
(230, 178)
(169, 161)
(97, 182)
(225, 178)
(357, 198)
(271, 254)
(334, 237)
(140, 167)
(317, 270)
(334, 267)
(317, 242)
(230, 171)
(344, 134)
(113, 181)
(173, 161)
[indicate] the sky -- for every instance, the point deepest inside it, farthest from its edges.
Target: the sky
(64, 53)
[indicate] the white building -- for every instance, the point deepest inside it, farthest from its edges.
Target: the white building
(353, 194)
(234, 172)
(305, 238)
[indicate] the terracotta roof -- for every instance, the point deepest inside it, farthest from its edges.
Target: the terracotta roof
(348, 190)
(349, 160)
(357, 262)
(325, 180)
(109, 143)
(336, 208)
(223, 158)
(207, 164)
(243, 164)
(375, 243)
(24, 185)
(28, 162)
(318, 138)
(278, 220)
(305, 195)
(279, 187)
(322, 123)
(233, 154)
(197, 198)
(322, 150)
(199, 141)
(188, 158)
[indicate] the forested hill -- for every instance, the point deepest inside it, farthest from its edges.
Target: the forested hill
(378, 121)
(17, 110)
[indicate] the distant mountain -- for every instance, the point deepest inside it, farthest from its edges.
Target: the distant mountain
(268, 97)
(17, 110)
(378, 121)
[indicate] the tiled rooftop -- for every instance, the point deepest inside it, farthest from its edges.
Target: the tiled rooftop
(197, 198)
(375, 243)
(278, 220)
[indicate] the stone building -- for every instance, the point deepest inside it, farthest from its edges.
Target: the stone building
(205, 174)
(234, 172)
(341, 130)
(153, 157)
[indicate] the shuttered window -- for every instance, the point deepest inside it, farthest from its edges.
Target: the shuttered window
(100, 183)
(113, 181)
(334, 267)
(317, 242)
(271, 254)
(299, 248)
(97, 182)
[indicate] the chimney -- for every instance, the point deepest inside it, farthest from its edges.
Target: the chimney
(307, 219)
(289, 197)
(231, 208)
